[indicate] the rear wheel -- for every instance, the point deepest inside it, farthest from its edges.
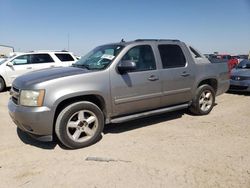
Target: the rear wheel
(204, 100)
(2, 84)
(79, 124)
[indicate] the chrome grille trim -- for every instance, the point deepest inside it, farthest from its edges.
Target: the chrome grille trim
(15, 94)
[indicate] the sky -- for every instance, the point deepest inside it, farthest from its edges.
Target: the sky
(80, 25)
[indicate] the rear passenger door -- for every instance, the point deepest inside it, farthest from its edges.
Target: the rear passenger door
(139, 90)
(176, 74)
(41, 61)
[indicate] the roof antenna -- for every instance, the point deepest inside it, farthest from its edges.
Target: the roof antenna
(122, 40)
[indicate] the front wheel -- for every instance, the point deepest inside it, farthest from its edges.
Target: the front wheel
(79, 125)
(204, 100)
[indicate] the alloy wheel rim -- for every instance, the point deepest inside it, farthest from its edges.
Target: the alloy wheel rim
(82, 126)
(206, 100)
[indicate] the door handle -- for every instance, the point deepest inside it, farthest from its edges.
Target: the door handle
(153, 78)
(185, 74)
(29, 68)
(52, 66)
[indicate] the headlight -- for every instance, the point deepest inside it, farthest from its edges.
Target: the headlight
(32, 98)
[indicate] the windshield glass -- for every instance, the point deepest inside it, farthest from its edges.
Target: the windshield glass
(245, 64)
(2, 61)
(99, 58)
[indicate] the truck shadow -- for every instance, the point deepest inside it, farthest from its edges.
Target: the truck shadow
(27, 139)
(117, 128)
(239, 93)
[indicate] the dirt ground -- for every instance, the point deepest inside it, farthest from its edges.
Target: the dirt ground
(169, 150)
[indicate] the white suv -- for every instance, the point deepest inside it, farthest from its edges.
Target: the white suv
(22, 63)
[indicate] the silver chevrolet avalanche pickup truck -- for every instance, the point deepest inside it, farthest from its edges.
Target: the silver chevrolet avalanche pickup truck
(115, 83)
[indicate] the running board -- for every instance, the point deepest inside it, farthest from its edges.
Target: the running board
(148, 113)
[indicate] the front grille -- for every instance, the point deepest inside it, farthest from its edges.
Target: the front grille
(14, 92)
(15, 89)
(240, 78)
(233, 87)
(15, 100)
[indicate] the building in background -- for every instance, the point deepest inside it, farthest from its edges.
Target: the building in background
(6, 50)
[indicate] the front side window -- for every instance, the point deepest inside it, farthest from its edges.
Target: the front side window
(172, 56)
(143, 56)
(21, 60)
(99, 58)
(41, 58)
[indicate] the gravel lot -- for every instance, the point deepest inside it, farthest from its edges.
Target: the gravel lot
(170, 150)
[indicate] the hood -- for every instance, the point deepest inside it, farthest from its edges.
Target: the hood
(241, 72)
(47, 74)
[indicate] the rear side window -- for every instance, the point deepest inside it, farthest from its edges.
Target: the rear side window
(65, 57)
(41, 58)
(172, 56)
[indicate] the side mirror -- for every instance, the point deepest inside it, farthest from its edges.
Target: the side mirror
(10, 64)
(126, 66)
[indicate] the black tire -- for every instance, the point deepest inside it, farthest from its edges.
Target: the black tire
(201, 105)
(2, 84)
(74, 114)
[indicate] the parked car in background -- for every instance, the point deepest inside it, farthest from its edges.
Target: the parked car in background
(1, 60)
(17, 65)
(210, 56)
(240, 77)
(6, 50)
(232, 62)
(240, 57)
(215, 59)
(78, 57)
(115, 83)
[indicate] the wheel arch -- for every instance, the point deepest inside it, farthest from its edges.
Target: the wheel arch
(209, 81)
(96, 99)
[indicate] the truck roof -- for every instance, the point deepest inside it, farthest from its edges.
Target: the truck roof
(125, 43)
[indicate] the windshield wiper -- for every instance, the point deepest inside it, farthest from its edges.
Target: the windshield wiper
(80, 65)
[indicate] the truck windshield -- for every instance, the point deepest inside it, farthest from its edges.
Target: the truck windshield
(99, 58)
(245, 64)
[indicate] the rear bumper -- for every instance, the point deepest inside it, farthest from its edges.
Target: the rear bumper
(36, 121)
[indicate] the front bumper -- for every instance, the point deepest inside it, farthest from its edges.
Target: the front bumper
(239, 85)
(36, 121)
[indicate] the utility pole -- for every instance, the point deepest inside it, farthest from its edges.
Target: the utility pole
(68, 41)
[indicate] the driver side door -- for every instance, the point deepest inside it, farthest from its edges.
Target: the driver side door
(21, 65)
(140, 89)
